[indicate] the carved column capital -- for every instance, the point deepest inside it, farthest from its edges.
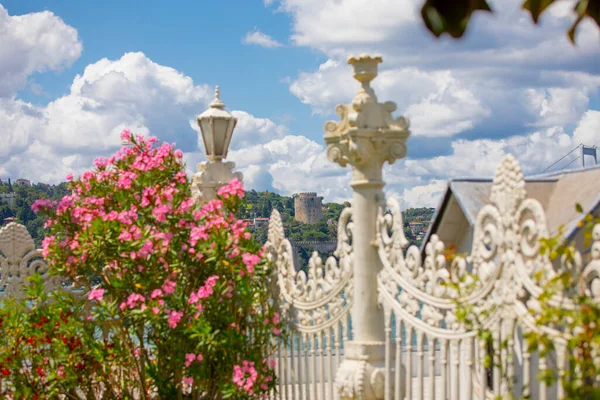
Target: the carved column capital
(211, 176)
(367, 135)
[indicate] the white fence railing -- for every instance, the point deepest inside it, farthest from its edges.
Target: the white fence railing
(426, 351)
(316, 306)
(20, 259)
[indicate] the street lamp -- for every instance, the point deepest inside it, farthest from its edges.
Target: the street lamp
(216, 125)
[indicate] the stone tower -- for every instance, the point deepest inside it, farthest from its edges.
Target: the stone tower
(308, 208)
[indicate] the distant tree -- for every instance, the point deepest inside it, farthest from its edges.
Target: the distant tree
(453, 16)
(10, 188)
(5, 212)
(289, 203)
(278, 205)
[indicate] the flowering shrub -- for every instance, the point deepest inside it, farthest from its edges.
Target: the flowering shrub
(48, 349)
(184, 288)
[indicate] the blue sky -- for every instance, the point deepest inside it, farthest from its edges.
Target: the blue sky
(200, 38)
(73, 74)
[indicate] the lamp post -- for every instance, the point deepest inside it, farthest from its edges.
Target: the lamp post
(366, 137)
(216, 125)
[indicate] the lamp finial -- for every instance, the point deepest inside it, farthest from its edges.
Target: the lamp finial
(217, 103)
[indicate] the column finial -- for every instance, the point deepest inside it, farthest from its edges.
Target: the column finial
(217, 103)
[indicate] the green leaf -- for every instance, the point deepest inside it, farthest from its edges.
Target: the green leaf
(536, 7)
(452, 17)
(579, 208)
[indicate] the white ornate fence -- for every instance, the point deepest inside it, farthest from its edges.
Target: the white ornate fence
(316, 306)
(20, 259)
(506, 256)
(417, 348)
(422, 331)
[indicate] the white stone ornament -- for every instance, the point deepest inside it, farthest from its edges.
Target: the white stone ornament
(216, 125)
(19, 259)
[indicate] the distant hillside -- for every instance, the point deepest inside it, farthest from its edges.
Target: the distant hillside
(258, 205)
(261, 204)
(19, 207)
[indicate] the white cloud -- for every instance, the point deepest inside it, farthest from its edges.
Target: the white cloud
(588, 129)
(558, 106)
(428, 195)
(337, 26)
(259, 178)
(506, 76)
(44, 143)
(251, 130)
(131, 92)
(31, 43)
(261, 39)
(292, 164)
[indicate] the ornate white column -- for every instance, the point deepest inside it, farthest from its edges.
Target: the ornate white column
(366, 137)
(216, 125)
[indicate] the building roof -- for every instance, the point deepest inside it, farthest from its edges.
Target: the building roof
(557, 192)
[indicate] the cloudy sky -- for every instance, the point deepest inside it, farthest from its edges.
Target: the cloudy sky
(74, 74)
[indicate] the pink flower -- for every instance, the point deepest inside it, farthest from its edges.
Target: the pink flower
(133, 299)
(250, 260)
(69, 177)
(160, 212)
(204, 291)
(100, 162)
(276, 331)
(188, 381)
(126, 135)
(174, 318)
(233, 188)
(276, 318)
(96, 294)
(169, 287)
(155, 310)
(42, 204)
(189, 359)
(46, 243)
(156, 293)
(245, 376)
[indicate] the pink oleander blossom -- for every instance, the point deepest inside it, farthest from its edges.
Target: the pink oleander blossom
(189, 359)
(250, 260)
(174, 318)
(169, 287)
(245, 376)
(96, 294)
(233, 188)
(42, 204)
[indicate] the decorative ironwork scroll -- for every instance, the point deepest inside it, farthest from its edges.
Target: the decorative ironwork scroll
(421, 293)
(20, 259)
